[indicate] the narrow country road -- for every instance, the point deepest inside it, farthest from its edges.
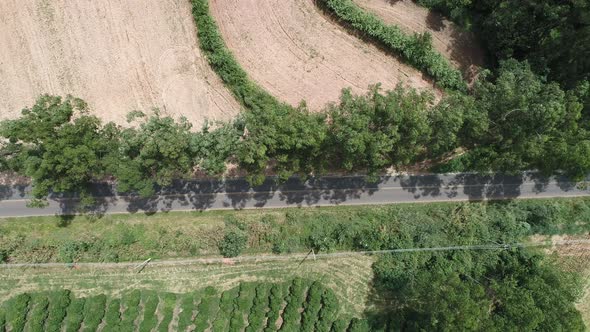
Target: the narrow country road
(201, 195)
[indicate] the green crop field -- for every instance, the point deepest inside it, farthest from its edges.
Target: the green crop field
(297, 305)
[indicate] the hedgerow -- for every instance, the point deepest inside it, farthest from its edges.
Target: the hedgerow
(275, 305)
(329, 312)
(167, 305)
(416, 49)
(150, 302)
(16, 312)
(226, 307)
(59, 302)
(291, 315)
(209, 306)
(94, 309)
(113, 316)
(340, 325)
(187, 306)
(312, 307)
(39, 312)
(74, 315)
(130, 303)
(242, 304)
(258, 310)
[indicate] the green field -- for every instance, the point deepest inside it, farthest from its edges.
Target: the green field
(297, 305)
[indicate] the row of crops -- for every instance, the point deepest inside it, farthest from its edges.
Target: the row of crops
(299, 305)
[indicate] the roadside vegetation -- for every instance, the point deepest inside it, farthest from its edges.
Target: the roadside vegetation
(117, 238)
(408, 290)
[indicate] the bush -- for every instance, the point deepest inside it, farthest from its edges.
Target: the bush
(113, 316)
(167, 312)
(2, 320)
(233, 243)
(242, 305)
(206, 309)
(340, 325)
(291, 315)
(187, 306)
(59, 302)
(38, 313)
(329, 312)
(16, 312)
(312, 306)
(130, 310)
(258, 309)
(226, 307)
(416, 49)
(275, 305)
(94, 309)
(150, 302)
(74, 316)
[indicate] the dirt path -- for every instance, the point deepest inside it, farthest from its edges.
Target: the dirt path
(460, 47)
(294, 52)
(118, 55)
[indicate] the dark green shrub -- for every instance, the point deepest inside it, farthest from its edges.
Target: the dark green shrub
(187, 307)
(59, 302)
(130, 303)
(150, 302)
(207, 309)
(94, 309)
(242, 305)
(168, 304)
(70, 251)
(233, 243)
(113, 316)
(16, 312)
(226, 307)
(340, 325)
(329, 312)
(312, 307)
(275, 305)
(75, 316)
(359, 325)
(39, 305)
(291, 315)
(258, 310)
(416, 49)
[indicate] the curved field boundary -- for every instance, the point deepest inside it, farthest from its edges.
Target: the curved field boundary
(416, 49)
(225, 65)
(296, 53)
(462, 48)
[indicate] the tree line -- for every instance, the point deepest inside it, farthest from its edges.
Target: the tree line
(512, 119)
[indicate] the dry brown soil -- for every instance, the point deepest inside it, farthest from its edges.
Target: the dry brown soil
(118, 55)
(460, 47)
(294, 51)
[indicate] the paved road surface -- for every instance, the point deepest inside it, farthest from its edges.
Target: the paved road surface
(351, 190)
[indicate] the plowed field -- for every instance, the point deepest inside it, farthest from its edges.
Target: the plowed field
(295, 52)
(118, 55)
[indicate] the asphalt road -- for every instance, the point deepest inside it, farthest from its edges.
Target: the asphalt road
(324, 191)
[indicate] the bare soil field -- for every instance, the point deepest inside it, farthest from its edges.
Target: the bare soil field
(118, 55)
(460, 47)
(294, 52)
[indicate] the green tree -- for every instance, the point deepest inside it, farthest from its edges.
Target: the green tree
(379, 129)
(58, 146)
(157, 152)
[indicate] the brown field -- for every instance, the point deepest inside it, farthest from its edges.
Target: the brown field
(294, 51)
(460, 47)
(118, 55)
